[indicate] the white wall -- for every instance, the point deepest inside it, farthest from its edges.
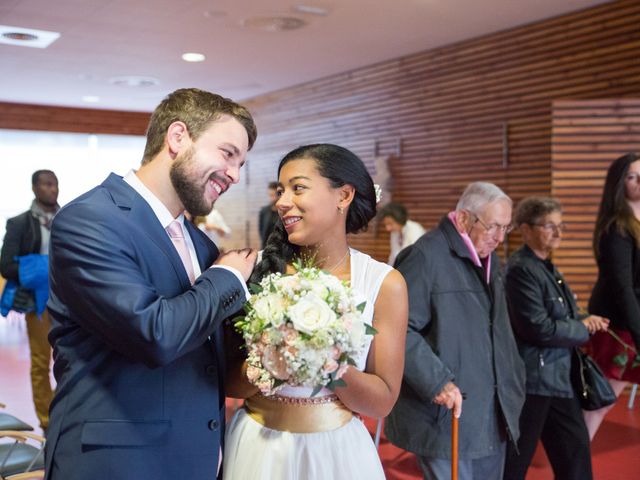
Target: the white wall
(80, 161)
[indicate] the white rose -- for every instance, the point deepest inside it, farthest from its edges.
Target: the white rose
(310, 313)
(271, 308)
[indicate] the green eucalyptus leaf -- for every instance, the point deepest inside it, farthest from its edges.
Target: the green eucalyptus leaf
(369, 330)
(316, 390)
(333, 384)
(621, 359)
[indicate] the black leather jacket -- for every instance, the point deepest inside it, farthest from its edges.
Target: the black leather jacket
(545, 320)
(21, 238)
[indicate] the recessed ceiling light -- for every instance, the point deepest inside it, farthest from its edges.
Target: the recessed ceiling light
(27, 37)
(193, 57)
(134, 81)
(274, 24)
(311, 9)
(90, 99)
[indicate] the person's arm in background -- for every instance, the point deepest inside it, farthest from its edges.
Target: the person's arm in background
(10, 250)
(215, 221)
(616, 258)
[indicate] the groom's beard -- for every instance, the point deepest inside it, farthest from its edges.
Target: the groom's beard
(189, 187)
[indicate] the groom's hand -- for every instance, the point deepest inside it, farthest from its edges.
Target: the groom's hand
(242, 260)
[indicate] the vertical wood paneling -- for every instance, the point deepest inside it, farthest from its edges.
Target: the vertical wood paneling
(587, 137)
(450, 106)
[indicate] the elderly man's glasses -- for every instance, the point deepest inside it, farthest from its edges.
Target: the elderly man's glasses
(551, 227)
(493, 228)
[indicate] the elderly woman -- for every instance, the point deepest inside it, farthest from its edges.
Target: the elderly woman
(547, 326)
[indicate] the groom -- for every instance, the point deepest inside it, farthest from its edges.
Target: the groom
(135, 309)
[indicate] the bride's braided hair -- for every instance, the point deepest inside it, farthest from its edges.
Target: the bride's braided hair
(341, 167)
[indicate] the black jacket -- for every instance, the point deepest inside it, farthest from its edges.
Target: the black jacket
(266, 221)
(21, 238)
(458, 331)
(616, 294)
(545, 319)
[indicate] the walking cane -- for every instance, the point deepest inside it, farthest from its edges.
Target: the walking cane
(454, 447)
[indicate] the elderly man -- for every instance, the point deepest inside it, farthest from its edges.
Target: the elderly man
(460, 340)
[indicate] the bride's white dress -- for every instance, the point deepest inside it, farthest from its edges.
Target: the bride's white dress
(253, 451)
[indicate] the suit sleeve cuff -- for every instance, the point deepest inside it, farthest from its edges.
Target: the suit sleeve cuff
(238, 276)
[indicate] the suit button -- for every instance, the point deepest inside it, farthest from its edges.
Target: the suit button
(213, 425)
(211, 370)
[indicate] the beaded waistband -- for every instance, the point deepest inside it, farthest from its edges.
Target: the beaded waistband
(304, 400)
(298, 415)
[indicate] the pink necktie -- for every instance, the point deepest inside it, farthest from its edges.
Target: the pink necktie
(177, 237)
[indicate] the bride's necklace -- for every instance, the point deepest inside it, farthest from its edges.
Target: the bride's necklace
(330, 270)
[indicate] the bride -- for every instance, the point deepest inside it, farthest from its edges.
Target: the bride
(324, 193)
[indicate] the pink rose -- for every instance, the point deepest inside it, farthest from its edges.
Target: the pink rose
(253, 373)
(335, 352)
(342, 370)
(330, 366)
(275, 363)
(290, 336)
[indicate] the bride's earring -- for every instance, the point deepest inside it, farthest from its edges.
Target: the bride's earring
(341, 210)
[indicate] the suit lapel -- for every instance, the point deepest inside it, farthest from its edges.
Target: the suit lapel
(144, 220)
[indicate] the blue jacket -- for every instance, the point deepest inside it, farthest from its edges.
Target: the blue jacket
(137, 349)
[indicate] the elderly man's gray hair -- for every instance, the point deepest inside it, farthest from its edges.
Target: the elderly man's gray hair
(479, 194)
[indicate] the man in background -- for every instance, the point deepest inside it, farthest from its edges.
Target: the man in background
(460, 342)
(268, 215)
(25, 250)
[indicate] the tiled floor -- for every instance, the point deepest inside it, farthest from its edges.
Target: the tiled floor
(615, 449)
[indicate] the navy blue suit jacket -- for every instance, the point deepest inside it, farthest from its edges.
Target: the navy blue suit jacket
(137, 349)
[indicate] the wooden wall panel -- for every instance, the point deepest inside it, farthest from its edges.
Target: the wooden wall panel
(587, 137)
(17, 116)
(450, 108)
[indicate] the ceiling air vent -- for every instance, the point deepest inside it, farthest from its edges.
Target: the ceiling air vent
(27, 37)
(134, 81)
(274, 24)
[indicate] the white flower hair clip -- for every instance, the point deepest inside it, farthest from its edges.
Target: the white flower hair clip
(378, 190)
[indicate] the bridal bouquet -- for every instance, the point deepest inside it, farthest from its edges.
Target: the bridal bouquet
(303, 329)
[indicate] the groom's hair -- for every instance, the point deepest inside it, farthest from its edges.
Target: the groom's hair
(341, 167)
(198, 109)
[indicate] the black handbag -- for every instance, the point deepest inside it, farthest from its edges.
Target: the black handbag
(591, 386)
